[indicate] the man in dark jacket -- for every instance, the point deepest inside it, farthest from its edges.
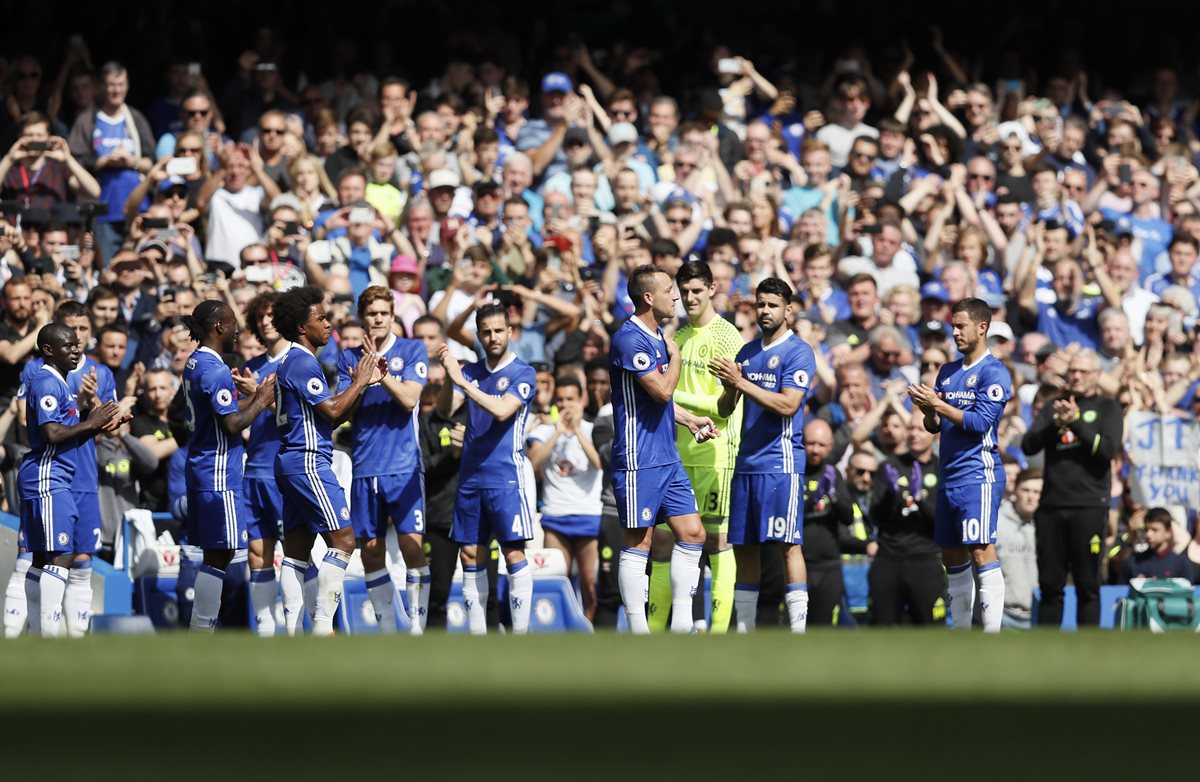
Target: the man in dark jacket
(1081, 434)
(907, 574)
(441, 450)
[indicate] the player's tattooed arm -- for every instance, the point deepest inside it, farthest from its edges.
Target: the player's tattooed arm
(784, 402)
(502, 408)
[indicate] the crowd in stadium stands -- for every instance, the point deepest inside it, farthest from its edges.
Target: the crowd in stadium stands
(882, 199)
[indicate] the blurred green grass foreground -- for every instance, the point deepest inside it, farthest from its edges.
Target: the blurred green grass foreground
(904, 704)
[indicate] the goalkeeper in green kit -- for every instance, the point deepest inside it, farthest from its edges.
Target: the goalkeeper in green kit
(709, 464)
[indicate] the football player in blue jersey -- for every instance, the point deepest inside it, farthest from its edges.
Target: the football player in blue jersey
(492, 499)
(649, 482)
(49, 519)
(965, 405)
(215, 418)
(91, 382)
(306, 411)
(774, 374)
(389, 479)
(259, 488)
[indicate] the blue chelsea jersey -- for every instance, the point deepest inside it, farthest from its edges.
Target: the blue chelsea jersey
(384, 433)
(214, 460)
(305, 437)
(48, 469)
(86, 474)
(772, 443)
(494, 450)
(263, 442)
(645, 428)
(970, 454)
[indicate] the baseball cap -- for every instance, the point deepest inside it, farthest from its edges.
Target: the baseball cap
(556, 81)
(993, 299)
(1000, 330)
(934, 290)
(678, 196)
(933, 328)
(1046, 351)
(485, 186)
(125, 258)
(155, 244)
(171, 183)
(443, 177)
(622, 133)
(404, 264)
(811, 317)
(575, 137)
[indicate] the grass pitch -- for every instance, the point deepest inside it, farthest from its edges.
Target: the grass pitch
(902, 704)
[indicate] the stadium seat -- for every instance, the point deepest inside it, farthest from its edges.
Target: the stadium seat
(155, 597)
(356, 616)
(105, 624)
(555, 609)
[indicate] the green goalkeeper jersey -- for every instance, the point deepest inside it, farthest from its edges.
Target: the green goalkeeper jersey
(698, 391)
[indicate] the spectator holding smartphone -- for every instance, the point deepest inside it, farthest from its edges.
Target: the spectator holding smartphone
(39, 170)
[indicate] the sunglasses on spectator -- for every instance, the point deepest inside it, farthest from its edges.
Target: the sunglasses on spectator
(255, 261)
(271, 131)
(197, 112)
(622, 112)
(190, 150)
(862, 470)
(862, 155)
(890, 353)
(678, 221)
(983, 177)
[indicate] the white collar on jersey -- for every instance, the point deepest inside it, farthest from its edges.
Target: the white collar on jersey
(986, 353)
(53, 371)
(298, 346)
(279, 356)
(786, 336)
(508, 359)
(638, 321)
(206, 349)
(387, 343)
